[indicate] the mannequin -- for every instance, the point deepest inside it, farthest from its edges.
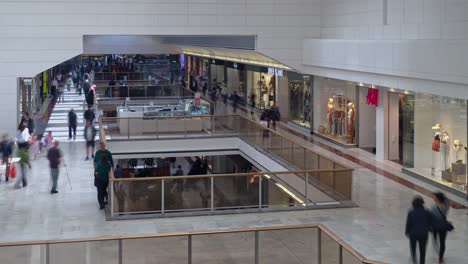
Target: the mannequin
(435, 147)
(329, 115)
(350, 120)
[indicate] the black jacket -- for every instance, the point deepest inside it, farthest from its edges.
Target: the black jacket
(418, 223)
(72, 118)
(89, 115)
(90, 98)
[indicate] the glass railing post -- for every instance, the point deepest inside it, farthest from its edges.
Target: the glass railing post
(157, 127)
(120, 252)
(189, 247)
(128, 128)
(306, 189)
(260, 191)
(257, 256)
(162, 196)
(334, 177)
(47, 254)
(212, 192)
(319, 246)
(111, 200)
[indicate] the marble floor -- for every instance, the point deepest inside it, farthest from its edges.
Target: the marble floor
(375, 228)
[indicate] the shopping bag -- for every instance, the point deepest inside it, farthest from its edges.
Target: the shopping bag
(12, 171)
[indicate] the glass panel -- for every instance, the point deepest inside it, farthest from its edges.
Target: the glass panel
(236, 192)
(187, 194)
(330, 250)
(312, 160)
(348, 258)
(238, 248)
(298, 156)
(137, 197)
(343, 184)
(23, 254)
(276, 144)
(100, 252)
(326, 178)
(292, 246)
(286, 152)
(277, 195)
(155, 250)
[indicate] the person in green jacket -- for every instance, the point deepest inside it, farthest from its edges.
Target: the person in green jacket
(101, 178)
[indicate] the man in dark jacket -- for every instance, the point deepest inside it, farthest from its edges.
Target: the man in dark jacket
(89, 115)
(275, 115)
(72, 122)
(418, 224)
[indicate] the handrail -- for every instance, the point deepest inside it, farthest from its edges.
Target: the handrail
(320, 227)
(224, 175)
(222, 116)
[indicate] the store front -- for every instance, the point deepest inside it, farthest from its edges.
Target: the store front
(300, 100)
(261, 86)
(335, 110)
(440, 138)
(235, 80)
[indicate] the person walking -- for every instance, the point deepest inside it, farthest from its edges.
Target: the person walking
(103, 150)
(26, 119)
(6, 148)
(439, 222)
(179, 171)
(235, 101)
(90, 137)
(22, 141)
(275, 115)
(101, 178)
(53, 87)
(89, 115)
(418, 224)
(54, 155)
(72, 122)
(60, 92)
(23, 155)
(90, 96)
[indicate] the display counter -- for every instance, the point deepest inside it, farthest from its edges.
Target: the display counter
(140, 120)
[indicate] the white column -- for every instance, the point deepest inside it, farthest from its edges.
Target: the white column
(8, 106)
(381, 125)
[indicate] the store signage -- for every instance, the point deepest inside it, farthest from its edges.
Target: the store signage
(276, 72)
(234, 65)
(372, 96)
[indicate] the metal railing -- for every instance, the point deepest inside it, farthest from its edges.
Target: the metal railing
(321, 178)
(118, 76)
(310, 243)
(201, 126)
(141, 90)
(259, 191)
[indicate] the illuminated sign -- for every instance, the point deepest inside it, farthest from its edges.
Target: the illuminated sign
(276, 72)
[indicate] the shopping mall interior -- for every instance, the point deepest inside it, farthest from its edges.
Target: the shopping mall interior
(218, 132)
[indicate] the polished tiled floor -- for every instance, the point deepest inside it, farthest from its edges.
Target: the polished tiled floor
(375, 229)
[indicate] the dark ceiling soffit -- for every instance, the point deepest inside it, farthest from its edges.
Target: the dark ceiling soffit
(228, 42)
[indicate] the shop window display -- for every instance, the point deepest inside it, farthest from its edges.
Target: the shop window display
(440, 140)
(335, 109)
(261, 88)
(300, 89)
